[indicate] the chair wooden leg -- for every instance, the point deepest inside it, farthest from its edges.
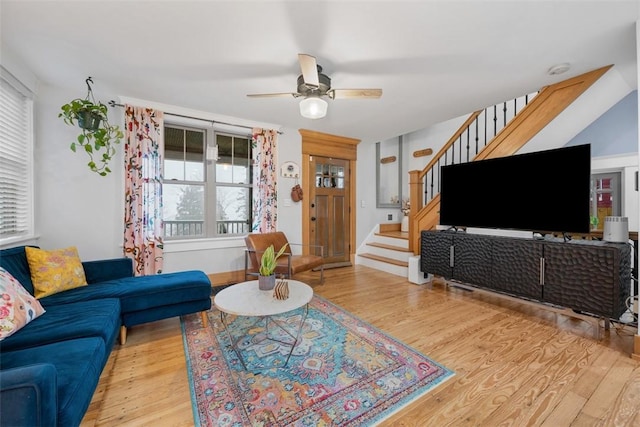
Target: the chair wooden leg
(123, 335)
(322, 274)
(205, 319)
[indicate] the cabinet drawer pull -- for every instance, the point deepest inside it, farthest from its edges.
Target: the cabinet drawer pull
(451, 256)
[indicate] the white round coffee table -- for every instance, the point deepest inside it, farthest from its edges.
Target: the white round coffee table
(246, 299)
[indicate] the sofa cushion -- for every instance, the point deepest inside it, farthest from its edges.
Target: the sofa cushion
(78, 364)
(107, 269)
(83, 319)
(14, 260)
(55, 270)
(17, 306)
(141, 292)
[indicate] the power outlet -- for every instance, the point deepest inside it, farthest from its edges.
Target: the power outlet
(389, 217)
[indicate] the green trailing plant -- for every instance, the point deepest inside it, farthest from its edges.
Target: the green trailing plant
(98, 137)
(268, 262)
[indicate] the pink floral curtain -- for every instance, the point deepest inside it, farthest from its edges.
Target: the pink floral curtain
(143, 150)
(265, 195)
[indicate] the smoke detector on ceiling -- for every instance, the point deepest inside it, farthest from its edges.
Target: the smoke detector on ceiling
(559, 69)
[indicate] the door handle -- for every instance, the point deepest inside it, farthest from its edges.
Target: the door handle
(313, 218)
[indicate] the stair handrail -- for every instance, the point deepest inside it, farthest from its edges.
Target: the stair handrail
(418, 180)
(449, 143)
(560, 95)
(507, 109)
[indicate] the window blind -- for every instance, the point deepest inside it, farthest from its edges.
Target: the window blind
(16, 160)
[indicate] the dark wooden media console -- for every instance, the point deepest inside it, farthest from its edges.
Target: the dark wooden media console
(588, 276)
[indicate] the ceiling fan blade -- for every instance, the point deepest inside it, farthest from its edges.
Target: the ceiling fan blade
(273, 95)
(354, 93)
(309, 68)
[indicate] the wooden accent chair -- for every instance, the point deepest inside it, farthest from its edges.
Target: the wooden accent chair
(288, 264)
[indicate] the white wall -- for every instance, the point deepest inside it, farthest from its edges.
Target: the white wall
(598, 99)
(77, 207)
(595, 101)
(367, 215)
(433, 137)
(74, 206)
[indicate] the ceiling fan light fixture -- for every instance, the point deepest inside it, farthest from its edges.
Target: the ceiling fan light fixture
(313, 107)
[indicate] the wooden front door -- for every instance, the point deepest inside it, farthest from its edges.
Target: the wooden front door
(329, 221)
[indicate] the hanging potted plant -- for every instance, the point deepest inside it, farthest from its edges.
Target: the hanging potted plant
(268, 264)
(98, 137)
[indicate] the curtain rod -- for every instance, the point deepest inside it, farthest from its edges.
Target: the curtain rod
(114, 104)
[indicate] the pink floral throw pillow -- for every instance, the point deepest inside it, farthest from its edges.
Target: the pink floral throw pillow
(17, 306)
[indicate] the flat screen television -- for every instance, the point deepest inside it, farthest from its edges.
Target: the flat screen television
(542, 191)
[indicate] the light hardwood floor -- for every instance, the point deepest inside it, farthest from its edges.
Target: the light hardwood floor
(515, 364)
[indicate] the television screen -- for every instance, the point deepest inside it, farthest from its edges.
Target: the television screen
(542, 191)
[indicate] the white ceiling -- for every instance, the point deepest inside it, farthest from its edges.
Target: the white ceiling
(434, 60)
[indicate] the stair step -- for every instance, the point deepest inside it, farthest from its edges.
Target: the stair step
(390, 247)
(391, 226)
(385, 259)
(395, 234)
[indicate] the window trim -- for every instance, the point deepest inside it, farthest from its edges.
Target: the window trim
(211, 131)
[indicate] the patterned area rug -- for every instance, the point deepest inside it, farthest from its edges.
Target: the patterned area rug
(343, 371)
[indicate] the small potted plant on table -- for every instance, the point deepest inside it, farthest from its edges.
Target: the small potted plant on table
(268, 264)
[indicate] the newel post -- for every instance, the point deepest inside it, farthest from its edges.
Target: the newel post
(416, 191)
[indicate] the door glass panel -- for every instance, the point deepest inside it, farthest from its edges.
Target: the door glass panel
(318, 181)
(329, 176)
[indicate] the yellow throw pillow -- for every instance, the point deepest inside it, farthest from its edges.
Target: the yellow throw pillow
(55, 271)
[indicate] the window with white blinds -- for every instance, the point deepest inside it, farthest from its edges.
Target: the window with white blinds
(16, 160)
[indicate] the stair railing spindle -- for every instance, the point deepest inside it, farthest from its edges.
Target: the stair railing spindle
(504, 114)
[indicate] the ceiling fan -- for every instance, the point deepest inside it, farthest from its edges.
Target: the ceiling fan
(313, 85)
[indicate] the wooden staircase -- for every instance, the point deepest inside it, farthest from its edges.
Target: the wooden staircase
(387, 249)
(547, 105)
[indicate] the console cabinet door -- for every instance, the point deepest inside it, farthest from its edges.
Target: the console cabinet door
(435, 253)
(516, 267)
(586, 277)
(472, 259)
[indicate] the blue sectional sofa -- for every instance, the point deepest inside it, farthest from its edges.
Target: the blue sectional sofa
(50, 368)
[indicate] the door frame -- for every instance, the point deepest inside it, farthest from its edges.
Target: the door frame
(332, 146)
